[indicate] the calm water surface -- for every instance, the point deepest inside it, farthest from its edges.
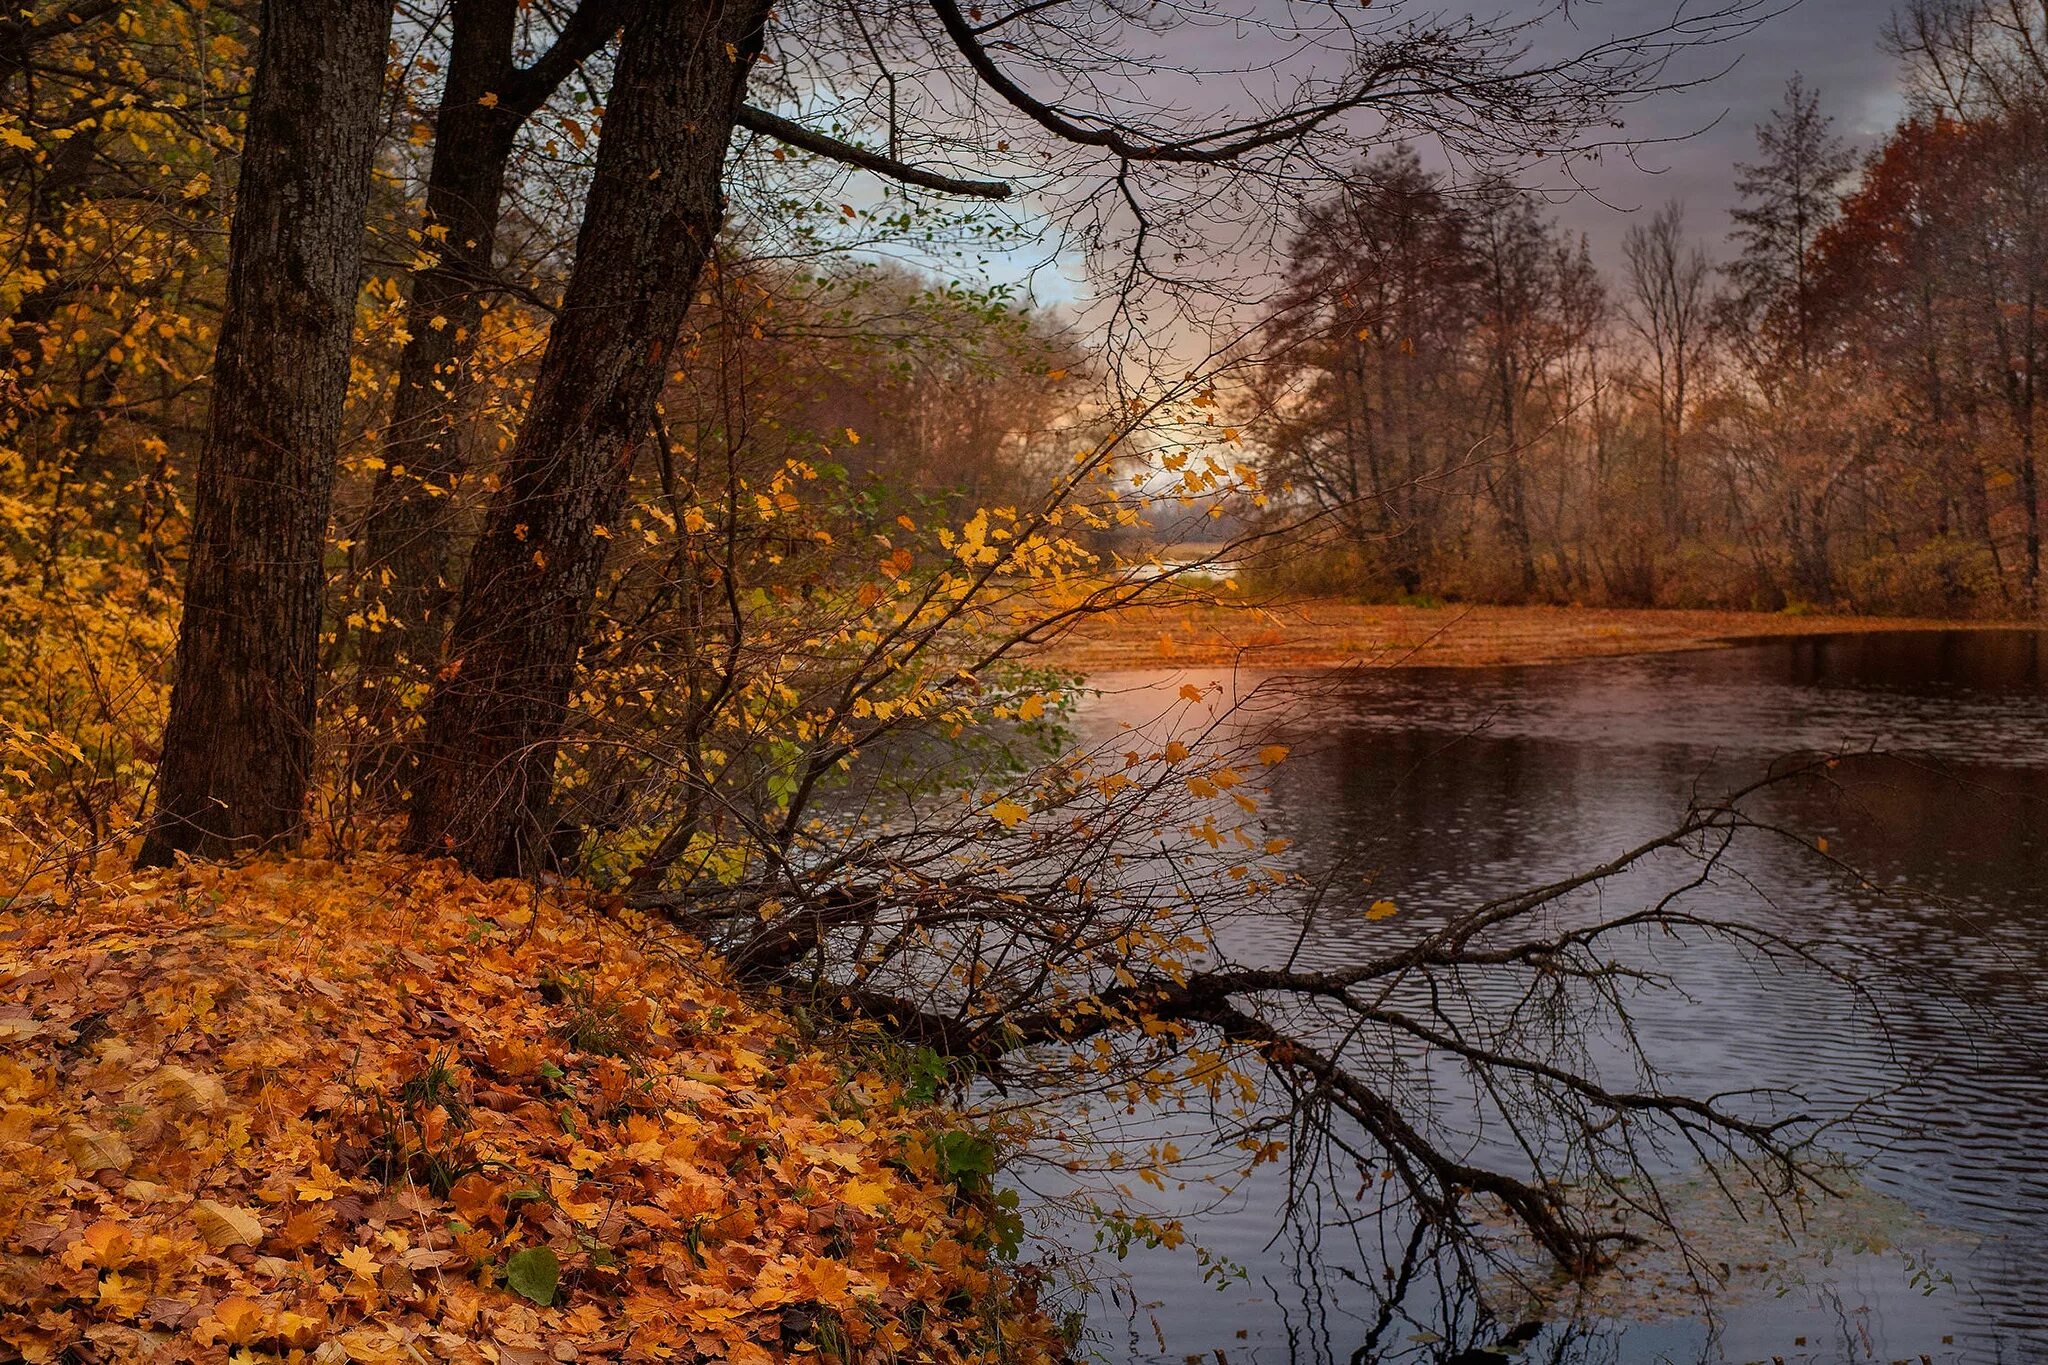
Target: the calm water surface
(1457, 785)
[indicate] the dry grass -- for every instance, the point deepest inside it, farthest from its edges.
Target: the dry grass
(1324, 634)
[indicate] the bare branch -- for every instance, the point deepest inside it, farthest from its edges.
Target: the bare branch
(833, 149)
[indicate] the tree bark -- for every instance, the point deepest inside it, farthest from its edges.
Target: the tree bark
(237, 752)
(497, 714)
(406, 534)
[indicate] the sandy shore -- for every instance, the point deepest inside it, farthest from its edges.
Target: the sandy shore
(1326, 634)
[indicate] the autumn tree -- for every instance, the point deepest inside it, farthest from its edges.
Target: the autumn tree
(655, 207)
(486, 99)
(1529, 291)
(501, 699)
(115, 134)
(237, 750)
(1369, 331)
(1670, 302)
(1787, 201)
(1419, 355)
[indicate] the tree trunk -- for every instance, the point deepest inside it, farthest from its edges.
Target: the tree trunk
(423, 456)
(484, 787)
(237, 752)
(406, 534)
(1514, 500)
(2030, 498)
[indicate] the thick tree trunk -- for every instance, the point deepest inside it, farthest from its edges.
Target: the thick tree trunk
(484, 787)
(237, 753)
(403, 540)
(407, 532)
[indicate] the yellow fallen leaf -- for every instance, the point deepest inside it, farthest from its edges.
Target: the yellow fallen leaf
(190, 1092)
(237, 1319)
(360, 1262)
(91, 1150)
(866, 1195)
(223, 1225)
(122, 1295)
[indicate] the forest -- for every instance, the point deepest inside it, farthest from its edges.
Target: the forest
(545, 816)
(1843, 412)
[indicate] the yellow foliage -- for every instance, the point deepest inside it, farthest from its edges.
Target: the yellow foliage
(392, 1113)
(85, 647)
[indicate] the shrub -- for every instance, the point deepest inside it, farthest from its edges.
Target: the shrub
(1945, 576)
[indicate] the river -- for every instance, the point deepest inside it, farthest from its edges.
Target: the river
(1456, 785)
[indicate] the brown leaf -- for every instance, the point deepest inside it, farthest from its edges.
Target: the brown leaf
(189, 1092)
(396, 1281)
(223, 1226)
(93, 1150)
(477, 1200)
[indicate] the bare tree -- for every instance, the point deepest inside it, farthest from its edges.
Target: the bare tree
(1083, 945)
(1670, 303)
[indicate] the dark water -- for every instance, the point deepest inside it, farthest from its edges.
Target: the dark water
(1459, 785)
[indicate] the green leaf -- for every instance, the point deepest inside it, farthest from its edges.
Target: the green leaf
(533, 1274)
(927, 1073)
(963, 1156)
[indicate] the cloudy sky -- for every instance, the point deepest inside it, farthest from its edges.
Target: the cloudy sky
(1688, 141)
(1835, 44)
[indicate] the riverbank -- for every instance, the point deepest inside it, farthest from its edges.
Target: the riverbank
(1320, 634)
(386, 1112)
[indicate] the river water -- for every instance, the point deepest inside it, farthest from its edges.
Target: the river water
(1455, 785)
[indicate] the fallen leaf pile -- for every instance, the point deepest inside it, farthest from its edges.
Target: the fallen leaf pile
(295, 1111)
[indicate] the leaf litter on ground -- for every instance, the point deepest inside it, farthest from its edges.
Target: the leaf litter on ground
(294, 1110)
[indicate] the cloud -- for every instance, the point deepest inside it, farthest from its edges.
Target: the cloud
(1835, 44)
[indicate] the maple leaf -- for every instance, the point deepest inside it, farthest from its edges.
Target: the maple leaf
(359, 1261)
(319, 1185)
(121, 1295)
(477, 1199)
(866, 1195)
(237, 1320)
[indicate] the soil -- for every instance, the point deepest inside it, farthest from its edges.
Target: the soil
(1317, 634)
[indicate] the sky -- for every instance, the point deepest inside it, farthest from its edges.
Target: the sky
(1835, 44)
(1688, 141)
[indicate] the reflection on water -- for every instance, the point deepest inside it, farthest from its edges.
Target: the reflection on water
(1460, 785)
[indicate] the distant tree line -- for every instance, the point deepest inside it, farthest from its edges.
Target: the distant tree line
(1845, 413)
